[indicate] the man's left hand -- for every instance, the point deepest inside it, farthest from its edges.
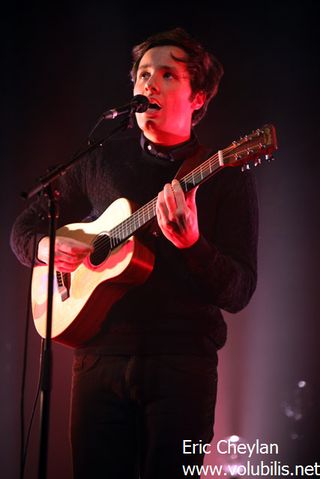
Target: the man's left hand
(177, 215)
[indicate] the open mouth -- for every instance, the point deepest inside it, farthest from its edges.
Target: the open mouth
(154, 106)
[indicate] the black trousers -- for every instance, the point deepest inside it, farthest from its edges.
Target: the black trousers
(130, 415)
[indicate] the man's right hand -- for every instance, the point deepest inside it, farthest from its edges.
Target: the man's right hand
(69, 253)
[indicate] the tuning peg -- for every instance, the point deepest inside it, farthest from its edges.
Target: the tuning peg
(269, 158)
(257, 162)
(245, 167)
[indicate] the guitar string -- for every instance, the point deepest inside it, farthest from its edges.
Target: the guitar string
(145, 213)
(201, 170)
(141, 216)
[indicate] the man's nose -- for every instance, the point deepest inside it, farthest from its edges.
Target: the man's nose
(151, 84)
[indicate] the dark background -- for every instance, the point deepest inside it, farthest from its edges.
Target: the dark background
(62, 65)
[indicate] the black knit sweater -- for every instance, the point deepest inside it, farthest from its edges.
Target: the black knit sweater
(177, 310)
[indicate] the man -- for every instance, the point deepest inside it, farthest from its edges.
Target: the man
(147, 381)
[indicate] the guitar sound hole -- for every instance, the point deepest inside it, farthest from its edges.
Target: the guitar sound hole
(101, 249)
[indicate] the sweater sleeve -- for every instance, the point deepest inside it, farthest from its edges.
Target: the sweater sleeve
(224, 263)
(33, 223)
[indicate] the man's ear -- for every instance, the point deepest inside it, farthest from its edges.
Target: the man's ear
(198, 100)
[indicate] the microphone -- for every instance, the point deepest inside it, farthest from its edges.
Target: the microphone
(138, 104)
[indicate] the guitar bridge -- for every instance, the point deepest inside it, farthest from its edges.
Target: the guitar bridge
(63, 282)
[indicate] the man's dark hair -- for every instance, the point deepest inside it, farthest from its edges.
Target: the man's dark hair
(204, 69)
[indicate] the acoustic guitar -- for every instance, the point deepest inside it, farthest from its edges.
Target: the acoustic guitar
(120, 259)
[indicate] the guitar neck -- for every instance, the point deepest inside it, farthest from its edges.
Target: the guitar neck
(247, 149)
(146, 213)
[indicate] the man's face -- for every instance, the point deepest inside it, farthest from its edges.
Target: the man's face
(166, 82)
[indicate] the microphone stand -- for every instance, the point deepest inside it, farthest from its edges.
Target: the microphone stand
(46, 351)
(45, 187)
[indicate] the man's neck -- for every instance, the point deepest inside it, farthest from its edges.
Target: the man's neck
(166, 139)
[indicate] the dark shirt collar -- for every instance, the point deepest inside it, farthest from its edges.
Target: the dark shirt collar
(168, 153)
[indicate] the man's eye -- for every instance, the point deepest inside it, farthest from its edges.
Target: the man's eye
(144, 75)
(167, 75)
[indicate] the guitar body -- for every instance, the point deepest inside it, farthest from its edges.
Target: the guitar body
(83, 298)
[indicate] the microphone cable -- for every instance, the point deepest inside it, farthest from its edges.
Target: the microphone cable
(24, 443)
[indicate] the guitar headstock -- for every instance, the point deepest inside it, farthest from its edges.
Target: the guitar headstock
(253, 148)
